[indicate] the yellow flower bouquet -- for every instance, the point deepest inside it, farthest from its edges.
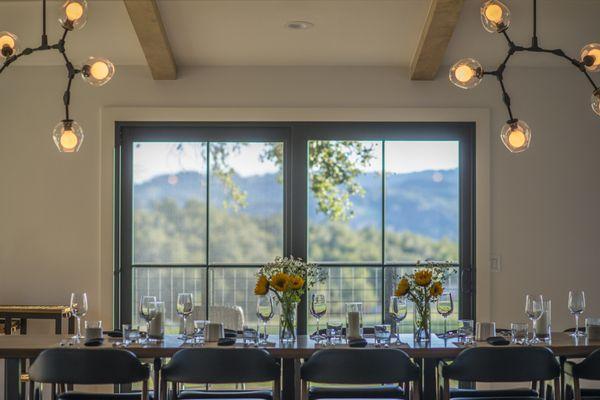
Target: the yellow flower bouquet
(287, 278)
(423, 286)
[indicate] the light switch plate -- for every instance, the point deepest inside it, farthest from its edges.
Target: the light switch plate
(495, 264)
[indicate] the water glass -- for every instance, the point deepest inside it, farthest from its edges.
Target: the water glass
(249, 336)
(466, 331)
(93, 330)
(199, 327)
(334, 332)
(383, 334)
(127, 333)
(519, 333)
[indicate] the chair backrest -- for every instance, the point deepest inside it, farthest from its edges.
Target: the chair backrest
(503, 364)
(232, 317)
(221, 366)
(359, 366)
(589, 368)
(88, 367)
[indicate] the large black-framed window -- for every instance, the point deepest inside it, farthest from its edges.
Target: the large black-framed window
(298, 217)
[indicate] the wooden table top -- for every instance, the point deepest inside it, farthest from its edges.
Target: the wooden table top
(35, 309)
(27, 346)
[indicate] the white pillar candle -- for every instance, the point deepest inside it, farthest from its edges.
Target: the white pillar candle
(353, 328)
(156, 328)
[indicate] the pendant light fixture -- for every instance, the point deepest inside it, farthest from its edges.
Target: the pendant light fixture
(468, 73)
(96, 71)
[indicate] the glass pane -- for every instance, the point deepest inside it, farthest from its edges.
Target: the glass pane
(246, 202)
(169, 203)
(232, 300)
(166, 284)
(437, 321)
(345, 201)
(347, 285)
(422, 201)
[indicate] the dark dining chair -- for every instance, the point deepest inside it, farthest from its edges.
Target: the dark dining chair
(390, 371)
(61, 366)
(221, 366)
(536, 365)
(588, 369)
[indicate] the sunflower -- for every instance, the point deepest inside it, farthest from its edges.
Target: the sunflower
(437, 289)
(402, 288)
(296, 282)
(262, 286)
(279, 281)
(423, 277)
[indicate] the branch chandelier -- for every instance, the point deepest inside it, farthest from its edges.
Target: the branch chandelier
(96, 71)
(468, 73)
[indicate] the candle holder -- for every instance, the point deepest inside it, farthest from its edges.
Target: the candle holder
(354, 320)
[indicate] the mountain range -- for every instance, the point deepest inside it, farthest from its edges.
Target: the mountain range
(424, 202)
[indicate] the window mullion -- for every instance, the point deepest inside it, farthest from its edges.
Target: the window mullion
(207, 240)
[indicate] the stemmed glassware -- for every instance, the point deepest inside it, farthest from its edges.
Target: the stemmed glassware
(576, 307)
(148, 311)
(264, 312)
(318, 309)
(398, 311)
(79, 308)
(445, 307)
(534, 308)
(185, 307)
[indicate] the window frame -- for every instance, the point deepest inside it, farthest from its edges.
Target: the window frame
(295, 137)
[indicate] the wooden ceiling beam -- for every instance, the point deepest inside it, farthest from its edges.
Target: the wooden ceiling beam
(442, 18)
(148, 25)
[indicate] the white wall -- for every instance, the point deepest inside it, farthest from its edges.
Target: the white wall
(544, 221)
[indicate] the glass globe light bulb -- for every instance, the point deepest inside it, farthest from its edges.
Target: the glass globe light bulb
(73, 14)
(67, 136)
(466, 73)
(9, 44)
(590, 57)
(97, 71)
(516, 136)
(596, 101)
(495, 16)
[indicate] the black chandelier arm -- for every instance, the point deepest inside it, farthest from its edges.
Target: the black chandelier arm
(505, 96)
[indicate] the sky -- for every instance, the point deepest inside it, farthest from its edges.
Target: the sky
(155, 159)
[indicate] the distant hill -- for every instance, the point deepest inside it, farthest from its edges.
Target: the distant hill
(422, 202)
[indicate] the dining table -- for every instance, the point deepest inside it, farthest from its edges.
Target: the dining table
(426, 354)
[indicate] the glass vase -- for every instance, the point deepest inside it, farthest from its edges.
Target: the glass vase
(422, 322)
(287, 322)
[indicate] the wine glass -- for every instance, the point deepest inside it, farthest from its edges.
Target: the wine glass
(445, 307)
(79, 308)
(534, 308)
(185, 307)
(318, 309)
(576, 307)
(398, 310)
(264, 312)
(148, 311)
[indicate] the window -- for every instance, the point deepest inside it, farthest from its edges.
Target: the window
(202, 207)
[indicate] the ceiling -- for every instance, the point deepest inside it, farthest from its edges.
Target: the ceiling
(345, 32)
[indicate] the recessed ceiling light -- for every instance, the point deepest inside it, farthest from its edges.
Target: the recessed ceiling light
(299, 25)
